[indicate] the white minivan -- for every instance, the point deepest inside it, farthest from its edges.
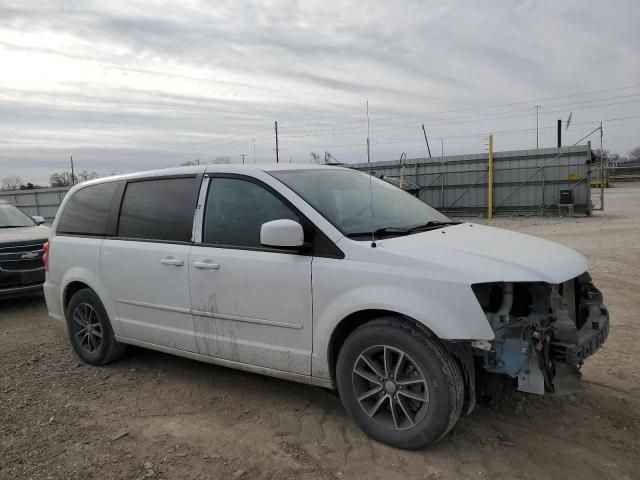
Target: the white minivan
(321, 275)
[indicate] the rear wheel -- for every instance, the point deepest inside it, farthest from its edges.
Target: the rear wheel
(90, 330)
(400, 386)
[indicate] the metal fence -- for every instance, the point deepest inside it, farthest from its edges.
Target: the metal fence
(43, 201)
(525, 181)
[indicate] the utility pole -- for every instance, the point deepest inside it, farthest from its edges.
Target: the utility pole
(254, 150)
(441, 173)
(277, 152)
(243, 155)
(490, 180)
(73, 177)
(601, 171)
(537, 113)
(425, 139)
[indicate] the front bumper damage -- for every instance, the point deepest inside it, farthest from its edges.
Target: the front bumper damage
(543, 333)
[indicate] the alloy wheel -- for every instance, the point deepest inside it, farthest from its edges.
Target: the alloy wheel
(87, 330)
(390, 387)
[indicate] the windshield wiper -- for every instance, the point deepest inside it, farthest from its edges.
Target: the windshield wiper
(431, 225)
(381, 231)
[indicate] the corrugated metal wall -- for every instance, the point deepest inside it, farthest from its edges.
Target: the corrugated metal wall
(525, 181)
(43, 202)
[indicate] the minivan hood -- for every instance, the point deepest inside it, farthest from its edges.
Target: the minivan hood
(487, 254)
(23, 234)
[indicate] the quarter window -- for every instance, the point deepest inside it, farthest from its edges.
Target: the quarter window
(86, 212)
(159, 209)
(236, 209)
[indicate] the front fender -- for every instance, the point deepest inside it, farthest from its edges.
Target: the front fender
(450, 310)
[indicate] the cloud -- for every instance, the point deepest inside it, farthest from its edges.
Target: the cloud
(142, 84)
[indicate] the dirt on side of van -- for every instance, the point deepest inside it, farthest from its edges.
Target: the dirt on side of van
(152, 415)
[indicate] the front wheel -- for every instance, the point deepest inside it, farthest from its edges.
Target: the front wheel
(400, 386)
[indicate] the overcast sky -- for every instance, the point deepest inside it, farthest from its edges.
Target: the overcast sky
(126, 85)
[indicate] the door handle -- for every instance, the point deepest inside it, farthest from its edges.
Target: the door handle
(172, 261)
(207, 264)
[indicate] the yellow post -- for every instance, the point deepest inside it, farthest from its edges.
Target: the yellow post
(490, 180)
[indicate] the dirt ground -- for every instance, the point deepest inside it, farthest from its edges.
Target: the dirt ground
(156, 416)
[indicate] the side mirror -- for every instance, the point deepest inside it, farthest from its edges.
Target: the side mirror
(38, 219)
(282, 233)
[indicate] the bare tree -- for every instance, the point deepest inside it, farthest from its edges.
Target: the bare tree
(315, 157)
(597, 153)
(60, 180)
(222, 160)
(634, 155)
(11, 183)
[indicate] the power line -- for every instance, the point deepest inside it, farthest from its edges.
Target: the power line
(185, 148)
(442, 121)
(407, 126)
(482, 134)
(456, 121)
(467, 119)
(484, 107)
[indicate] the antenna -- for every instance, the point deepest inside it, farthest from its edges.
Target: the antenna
(277, 149)
(373, 235)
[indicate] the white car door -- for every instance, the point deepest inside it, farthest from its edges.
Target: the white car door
(146, 266)
(251, 304)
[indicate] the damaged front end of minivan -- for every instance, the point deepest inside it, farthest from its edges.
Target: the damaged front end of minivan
(543, 332)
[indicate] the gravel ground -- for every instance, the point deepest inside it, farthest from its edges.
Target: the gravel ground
(156, 416)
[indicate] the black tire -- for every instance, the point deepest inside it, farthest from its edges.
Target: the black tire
(90, 330)
(424, 404)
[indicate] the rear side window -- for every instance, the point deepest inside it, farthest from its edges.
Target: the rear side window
(86, 212)
(159, 209)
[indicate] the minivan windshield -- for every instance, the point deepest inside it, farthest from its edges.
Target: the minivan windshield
(345, 197)
(11, 217)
